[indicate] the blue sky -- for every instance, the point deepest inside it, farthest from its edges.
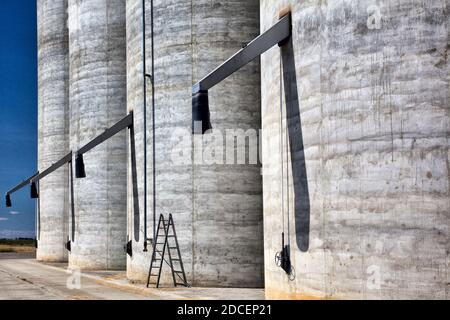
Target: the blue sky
(18, 110)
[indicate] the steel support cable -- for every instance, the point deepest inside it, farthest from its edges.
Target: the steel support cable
(284, 135)
(281, 144)
(288, 190)
(152, 81)
(72, 203)
(144, 76)
(153, 122)
(38, 216)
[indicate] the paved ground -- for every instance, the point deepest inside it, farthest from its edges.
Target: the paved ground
(22, 277)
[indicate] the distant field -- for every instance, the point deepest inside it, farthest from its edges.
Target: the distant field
(18, 246)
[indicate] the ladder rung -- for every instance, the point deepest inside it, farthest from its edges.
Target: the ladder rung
(155, 275)
(175, 259)
(180, 284)
(176, 271)
(172, 247)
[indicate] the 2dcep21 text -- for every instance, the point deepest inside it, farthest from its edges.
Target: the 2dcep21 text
(225, 310)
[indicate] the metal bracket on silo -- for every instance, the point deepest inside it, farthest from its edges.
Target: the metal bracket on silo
(128, 248)
(277, 34)
(69, 245)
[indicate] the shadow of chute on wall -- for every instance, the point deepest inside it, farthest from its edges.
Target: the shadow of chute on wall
(294, 125)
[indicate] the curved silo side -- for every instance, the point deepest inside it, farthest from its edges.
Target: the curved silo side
(366, 182)
(217, 208)
(98, 100)
(227, 198)
(138, 264)
(53, 128)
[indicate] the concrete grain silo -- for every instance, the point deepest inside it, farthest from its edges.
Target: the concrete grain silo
(217, 208)
(53, 127)
(356, 159)
(97, 101)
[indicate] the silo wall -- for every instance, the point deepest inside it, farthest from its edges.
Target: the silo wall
(53, 128)
(97, 101)
(217, 207)
(357, 159)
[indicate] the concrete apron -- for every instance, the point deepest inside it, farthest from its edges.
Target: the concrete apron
(54, 277)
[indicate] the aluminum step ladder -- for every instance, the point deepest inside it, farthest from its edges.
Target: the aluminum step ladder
(166, 231)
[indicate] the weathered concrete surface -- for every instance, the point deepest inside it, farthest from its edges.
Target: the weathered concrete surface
(53, 128)
(27, 279)
(373, 111)
(97, 101)
(217, 208)
(137, 266)
(227, 199)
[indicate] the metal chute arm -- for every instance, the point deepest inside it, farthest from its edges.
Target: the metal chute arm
(277, 34)
(126, 122)
(22, 184)
(40, 175)
(67, 158)
(122, 124)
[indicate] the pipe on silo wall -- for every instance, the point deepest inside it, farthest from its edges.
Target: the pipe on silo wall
(97, 52)
(363, 155)
(53, 128)
(217, 208)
